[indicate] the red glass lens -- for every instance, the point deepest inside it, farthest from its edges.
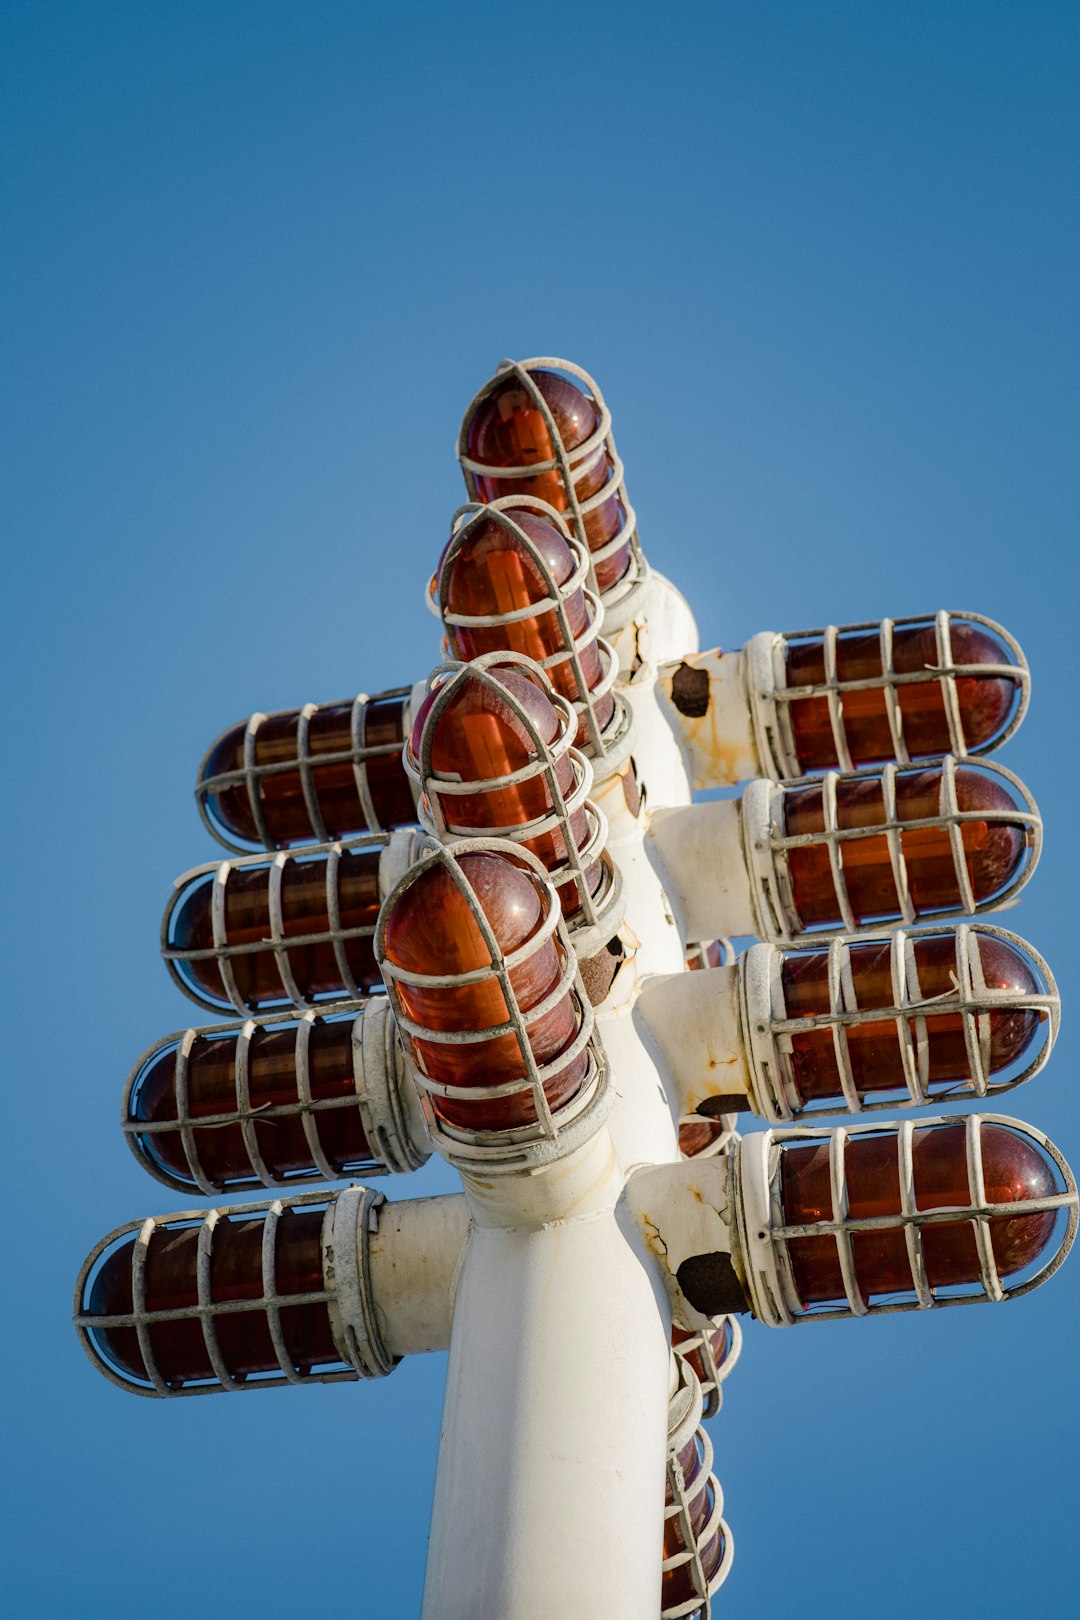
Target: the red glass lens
(480, 736)
(281, 790)
(244, 1339)
(985, 701)
(993, 850)
(432, 930)
(874, 1049)
(508, 429)
(272, 1078)
(1013, 1168)
(315, 966)
(493, 573)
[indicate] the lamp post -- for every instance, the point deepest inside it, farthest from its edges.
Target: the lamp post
(511, 850)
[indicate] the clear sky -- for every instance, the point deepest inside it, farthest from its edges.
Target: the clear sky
(257, 257)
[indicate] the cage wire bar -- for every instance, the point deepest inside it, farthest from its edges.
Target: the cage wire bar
(769, 1028)
(764, 1232)
(770, 697)
(346, 1294)
(306, 764)
(768, 858)
(553, 1134)
(598, 911)
(625, 594)
(711, 1353)
(380, 1096)
(608, 744)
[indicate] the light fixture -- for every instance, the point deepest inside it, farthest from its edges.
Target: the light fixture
(848, 696)
(275, 1100)
(540, 427)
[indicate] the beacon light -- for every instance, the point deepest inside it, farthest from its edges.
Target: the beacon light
(309, 775)
(848, 851)
(512, 578)
(245, 1297)
(712, 1352)
(866, 1219)
(698, 1547)
(255, 933)
(276, 1100)
(490, 1005)
(540, 427)
(861, 694)
(492, 753)
(907, 1018)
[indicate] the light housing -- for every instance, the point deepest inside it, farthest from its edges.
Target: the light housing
(492, 753)
(261, 932)
(540, 427)
(912, 1017)
(912, 1215)
(311, 775)
(712, 1353)
(276, 1100)
(846, 852)
(488, 998)
(248, 1296)
(847, 697)
(698, 1546)
(513, 578)
(899, 690)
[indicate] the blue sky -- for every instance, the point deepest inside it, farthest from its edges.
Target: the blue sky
(823, 260)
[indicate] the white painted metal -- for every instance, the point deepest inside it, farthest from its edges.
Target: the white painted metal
(700, 848)
(548, 1499)
(695, 1019)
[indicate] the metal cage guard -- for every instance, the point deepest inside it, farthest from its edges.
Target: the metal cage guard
(350, 1218)
(305, 764)
(381, 1096)
(599, 912)
(770, 698)
(625, 595)
(552, 1135)
(767, 852)
(768, 1027)
(764, 1233)
(608, 744)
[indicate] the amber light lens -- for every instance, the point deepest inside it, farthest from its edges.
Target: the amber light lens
(678, 1585)
(937, 1033)
(432, 930)
(244, 1339)
(493, 573)
(480, 736)
(993, 850)
(315, 965)
(280, 790)
(985, 701)
(273, 1082)
(508, 429)
(1014, 1170)
(696, 1136)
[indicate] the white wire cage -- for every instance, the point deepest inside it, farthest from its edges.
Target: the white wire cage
(552, 1133)
(782, 863)
(858, 1264)
(583, 865)
(847, 704)
(236, 1327)
(310, 775)
(198, 1112)
(879, 1036)
(623, 596)
(698, 1543)
(259, 932)
(712, 1353)
(607, 741)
